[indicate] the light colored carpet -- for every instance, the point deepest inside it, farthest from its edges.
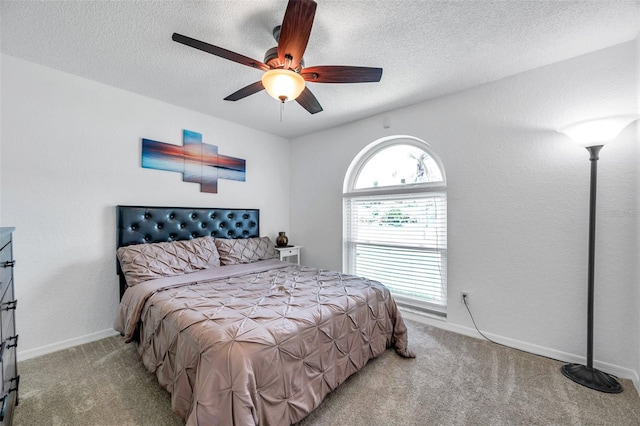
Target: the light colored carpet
(455, 380)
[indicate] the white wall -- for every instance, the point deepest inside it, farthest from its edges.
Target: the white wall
(71, 153)
(518, 196)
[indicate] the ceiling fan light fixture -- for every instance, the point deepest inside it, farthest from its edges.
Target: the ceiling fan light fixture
(282, 84)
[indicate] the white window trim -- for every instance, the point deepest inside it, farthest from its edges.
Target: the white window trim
(349, 192)
(373, 149)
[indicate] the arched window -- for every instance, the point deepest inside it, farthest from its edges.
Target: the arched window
(395, 221)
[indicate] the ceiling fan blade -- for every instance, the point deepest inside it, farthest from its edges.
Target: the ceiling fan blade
(245, 91)
(341, 74)
(295, 32)
(308, 101)
(219, 51)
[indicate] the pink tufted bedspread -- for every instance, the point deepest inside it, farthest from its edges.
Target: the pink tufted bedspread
(258, 344)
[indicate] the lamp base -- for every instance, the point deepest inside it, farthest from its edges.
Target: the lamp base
(591, 378)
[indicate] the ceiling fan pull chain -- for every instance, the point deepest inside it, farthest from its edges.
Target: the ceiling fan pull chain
(281, 109)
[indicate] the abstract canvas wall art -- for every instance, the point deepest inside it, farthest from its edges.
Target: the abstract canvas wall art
(198, 162)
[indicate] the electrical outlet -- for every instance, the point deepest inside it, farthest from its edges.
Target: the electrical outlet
(464, 295)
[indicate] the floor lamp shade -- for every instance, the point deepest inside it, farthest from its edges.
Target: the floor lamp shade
(593, 135)
(599, 131)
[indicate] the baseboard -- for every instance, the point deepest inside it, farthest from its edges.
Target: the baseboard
(612, 369)
(636, 383)
(65, 344)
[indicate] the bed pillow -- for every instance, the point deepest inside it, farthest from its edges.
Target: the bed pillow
(202, 252)
(245, 250)
(142, 262)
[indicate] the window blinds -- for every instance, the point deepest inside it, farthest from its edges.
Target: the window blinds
(400, 240)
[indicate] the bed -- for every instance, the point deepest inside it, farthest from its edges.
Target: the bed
(236, 336)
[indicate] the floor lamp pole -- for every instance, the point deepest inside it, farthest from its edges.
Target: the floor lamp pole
(593, 159)
(587, 375)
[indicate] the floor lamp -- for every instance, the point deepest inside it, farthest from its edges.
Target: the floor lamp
(593, 135)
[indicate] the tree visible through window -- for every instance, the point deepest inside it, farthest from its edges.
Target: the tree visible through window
(395, 217)
(398, 165)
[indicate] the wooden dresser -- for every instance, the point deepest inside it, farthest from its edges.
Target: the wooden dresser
(9, 338)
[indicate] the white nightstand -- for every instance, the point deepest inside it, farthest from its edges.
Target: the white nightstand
(289, 251)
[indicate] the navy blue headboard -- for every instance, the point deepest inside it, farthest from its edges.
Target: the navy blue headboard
(142, 225)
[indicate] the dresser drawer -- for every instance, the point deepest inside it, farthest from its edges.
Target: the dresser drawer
(7, 405)
(8, 327)
(8, 364)
(6, 268)
(9, 379)
(10, 386)
(8, 307)
(4, 240)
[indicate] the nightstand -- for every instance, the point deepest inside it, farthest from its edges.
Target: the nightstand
(289, 251)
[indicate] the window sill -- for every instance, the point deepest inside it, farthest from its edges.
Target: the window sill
(441, 316)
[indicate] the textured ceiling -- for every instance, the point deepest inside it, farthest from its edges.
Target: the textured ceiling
(426, 48)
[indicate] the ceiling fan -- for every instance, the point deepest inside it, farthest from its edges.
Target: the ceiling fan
(285, 75)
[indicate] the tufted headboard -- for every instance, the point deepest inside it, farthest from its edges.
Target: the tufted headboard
(142, 225)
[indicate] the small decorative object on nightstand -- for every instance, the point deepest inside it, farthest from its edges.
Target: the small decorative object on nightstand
(286, 252)
(282, 240)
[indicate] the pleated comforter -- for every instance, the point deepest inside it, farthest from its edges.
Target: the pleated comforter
(260, 343)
